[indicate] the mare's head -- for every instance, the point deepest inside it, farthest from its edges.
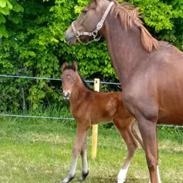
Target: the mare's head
(90, 24)
(87, 26)
(70, 78)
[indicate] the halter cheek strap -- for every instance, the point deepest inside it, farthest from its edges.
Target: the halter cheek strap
(94, 33)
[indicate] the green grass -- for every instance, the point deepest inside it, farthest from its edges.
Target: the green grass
(39, 151)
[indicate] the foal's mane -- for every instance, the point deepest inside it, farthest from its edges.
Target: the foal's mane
(129, 17)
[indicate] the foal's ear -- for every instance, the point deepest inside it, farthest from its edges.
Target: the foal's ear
(75, 66)
(64, 65)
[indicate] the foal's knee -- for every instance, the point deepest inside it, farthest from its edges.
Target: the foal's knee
(76, 151)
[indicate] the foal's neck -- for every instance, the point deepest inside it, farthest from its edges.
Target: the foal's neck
(124, 46)
(79, 93)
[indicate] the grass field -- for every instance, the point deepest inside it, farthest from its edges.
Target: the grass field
(39, 151)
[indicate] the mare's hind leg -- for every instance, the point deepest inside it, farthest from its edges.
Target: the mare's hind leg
(85, 170)
(81, 134)
(126, 133)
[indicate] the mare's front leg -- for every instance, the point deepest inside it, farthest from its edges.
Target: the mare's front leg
(131, 146)
(148, 132)
(143, 105)
(81, 134)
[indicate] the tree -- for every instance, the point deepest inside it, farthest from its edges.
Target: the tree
(32, 43)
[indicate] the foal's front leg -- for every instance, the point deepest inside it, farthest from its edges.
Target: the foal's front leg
(79, 141)
(85, 170)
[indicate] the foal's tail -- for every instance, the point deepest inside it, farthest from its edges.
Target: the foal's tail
(136, 133)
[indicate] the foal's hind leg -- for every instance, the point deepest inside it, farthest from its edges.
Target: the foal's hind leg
(136, 133)
(131, 145)
(81, 134)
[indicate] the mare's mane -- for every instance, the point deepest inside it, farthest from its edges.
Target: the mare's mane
(129, 17)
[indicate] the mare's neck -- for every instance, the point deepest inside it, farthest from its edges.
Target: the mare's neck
(125, 47)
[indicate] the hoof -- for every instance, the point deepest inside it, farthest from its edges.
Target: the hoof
(84, 175)
(67, 179)
(121, 180)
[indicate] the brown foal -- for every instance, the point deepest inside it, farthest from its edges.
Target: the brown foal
(150, 71)
(89, 107)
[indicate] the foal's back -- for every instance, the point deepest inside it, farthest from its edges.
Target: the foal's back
(100, 106)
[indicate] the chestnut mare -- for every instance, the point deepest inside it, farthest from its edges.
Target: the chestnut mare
(89, 107)
(150, 71)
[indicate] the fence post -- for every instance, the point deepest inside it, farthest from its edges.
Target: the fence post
(95, 127)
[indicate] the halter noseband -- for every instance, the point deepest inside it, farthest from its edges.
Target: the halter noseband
(98, 27)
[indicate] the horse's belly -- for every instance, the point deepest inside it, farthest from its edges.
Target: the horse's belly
(171, 117)
(170, 101)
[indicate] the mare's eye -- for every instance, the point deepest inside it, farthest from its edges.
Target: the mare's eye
(84, 11)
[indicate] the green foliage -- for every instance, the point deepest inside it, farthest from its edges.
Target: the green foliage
(8, 8)
(164, 18)
(32, 43)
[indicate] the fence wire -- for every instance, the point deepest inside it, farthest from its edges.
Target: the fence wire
(51, 79)
(36, 117)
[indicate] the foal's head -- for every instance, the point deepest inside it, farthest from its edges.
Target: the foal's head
(70, 78)
(89, 23)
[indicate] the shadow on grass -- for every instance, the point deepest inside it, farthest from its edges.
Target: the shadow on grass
(109, 180)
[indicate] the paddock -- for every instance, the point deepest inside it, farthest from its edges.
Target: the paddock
(37, 148)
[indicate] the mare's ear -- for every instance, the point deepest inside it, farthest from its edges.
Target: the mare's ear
(75, 66)
(64, 65)
(96, 1)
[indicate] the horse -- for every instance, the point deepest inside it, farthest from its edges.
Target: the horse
(150, 71)
(89, 107)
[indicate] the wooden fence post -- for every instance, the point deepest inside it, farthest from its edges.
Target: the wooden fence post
(95, 127)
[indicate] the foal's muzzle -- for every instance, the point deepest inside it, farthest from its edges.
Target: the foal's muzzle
(66, 95)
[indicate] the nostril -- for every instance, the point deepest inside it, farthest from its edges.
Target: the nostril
(69, 35)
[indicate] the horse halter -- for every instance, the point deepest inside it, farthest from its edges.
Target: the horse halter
(94, 33)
